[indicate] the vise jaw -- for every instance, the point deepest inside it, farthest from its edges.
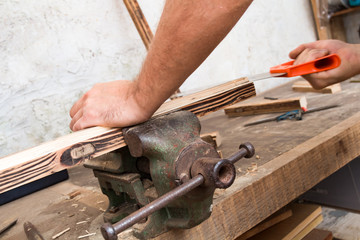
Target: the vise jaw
(163, 155)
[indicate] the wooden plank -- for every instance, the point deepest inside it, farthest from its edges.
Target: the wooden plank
(140, 22)
(345, 11)
(295, 226)
(320, 8)
(304, 86)
(268, 106)
(253, 198)
(67, 151)
(267, 223)
(319, 234)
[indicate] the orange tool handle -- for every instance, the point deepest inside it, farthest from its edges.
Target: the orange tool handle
(318, 65)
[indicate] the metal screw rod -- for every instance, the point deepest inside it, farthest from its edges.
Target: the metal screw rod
(110, 232)
(246, 150)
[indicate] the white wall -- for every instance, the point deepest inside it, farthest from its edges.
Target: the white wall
(54, 51)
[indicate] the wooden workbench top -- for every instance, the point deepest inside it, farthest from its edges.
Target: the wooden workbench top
(292, 157)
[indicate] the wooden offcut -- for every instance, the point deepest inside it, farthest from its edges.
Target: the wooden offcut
(304, 86)
(319, 234)
(268, 106)
(70, 150)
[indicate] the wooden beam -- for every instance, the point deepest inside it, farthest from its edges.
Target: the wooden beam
(253, 198)
(268, 106)
(70, 150)
(304, 86)
(140, 22)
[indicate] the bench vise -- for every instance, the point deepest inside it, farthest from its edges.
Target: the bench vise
(165, 178)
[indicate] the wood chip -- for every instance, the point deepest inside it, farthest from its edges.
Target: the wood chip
(86, 235)
(60, 233)
(81, 222)
(74, 194)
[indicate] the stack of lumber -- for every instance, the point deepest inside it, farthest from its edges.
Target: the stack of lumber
(304, 219)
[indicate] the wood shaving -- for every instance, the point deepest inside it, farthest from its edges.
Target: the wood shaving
(60, 233)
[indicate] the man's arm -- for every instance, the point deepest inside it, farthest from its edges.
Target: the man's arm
(348, 53)
(188, 31)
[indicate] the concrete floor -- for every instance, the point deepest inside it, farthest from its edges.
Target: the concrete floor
(344, 225)
(52, 210)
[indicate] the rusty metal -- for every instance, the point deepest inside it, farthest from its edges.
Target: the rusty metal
(110, 232)
(246, 150)
(217, 173)
(207, 172)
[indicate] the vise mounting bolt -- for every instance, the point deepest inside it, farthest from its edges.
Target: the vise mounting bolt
(164, 179)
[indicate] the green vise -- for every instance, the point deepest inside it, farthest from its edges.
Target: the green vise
(162, 156)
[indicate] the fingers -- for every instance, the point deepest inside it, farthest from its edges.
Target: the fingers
(310, 54)
(294, 53)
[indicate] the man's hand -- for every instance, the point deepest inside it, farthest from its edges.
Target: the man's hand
(348, 53)
(110, 104)
(188, 31)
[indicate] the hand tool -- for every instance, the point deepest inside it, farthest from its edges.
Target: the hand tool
(31, 232)
(294, 114)
(165, 179)
(289, 70)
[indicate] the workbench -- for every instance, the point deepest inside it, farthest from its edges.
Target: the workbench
(291, 157)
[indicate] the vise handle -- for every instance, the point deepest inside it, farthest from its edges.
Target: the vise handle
(208, 173)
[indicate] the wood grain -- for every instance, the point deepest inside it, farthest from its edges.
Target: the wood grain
(252, 199)
(70, 150)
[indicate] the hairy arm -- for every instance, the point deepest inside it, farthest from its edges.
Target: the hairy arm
(188, 31)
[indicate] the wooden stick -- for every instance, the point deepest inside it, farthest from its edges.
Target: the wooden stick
(70, 150)
(140, 22)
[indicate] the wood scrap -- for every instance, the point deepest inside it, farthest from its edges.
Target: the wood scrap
(70, 150)
(304, 219)
(319, 234)
(60, 233)
(213, 138)
(277, 217)
(304, 86)
(268, 106)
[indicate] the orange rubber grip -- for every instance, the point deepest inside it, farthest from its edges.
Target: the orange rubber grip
(318, 65)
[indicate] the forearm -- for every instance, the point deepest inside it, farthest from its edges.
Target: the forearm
(188, 31)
